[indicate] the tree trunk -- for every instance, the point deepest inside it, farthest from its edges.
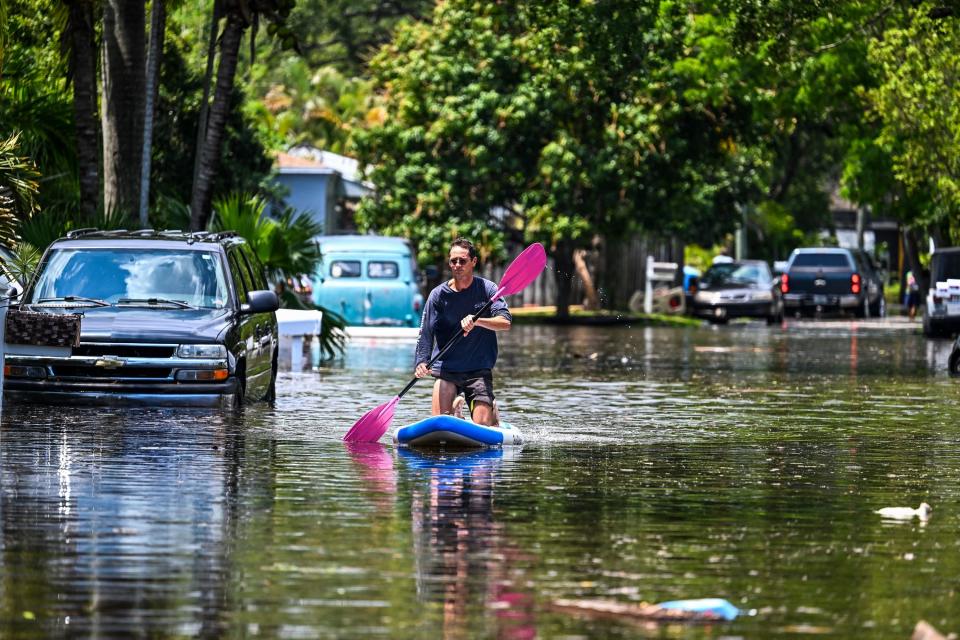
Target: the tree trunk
(207, 79)
(124, 75)
(219, 109)
(583, 272)
(158, 25)
(563, 257)
(83, 65)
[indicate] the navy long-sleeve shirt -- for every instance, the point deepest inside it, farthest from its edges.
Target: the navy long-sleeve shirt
(444, 310)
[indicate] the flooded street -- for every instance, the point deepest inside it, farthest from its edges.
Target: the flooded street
(741, 462)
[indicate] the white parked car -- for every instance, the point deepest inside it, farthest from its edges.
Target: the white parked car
(941, 314)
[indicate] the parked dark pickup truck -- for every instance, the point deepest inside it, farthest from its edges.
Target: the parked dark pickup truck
(828, 279)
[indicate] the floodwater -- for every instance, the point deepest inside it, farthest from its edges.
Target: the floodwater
(740, 462)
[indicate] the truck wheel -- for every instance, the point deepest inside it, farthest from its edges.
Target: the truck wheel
(863, 309)
(879, 309)
(931, 329)
(239, 396)
(953, 363)
(272, 389)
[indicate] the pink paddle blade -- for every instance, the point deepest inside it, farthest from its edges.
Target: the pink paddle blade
(524, 269)
(373, 424)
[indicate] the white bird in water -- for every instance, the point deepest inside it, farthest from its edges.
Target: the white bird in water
(906, 513)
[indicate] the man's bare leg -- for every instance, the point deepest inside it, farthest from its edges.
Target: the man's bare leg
(458, 403)
(443, 395)
(484, 414)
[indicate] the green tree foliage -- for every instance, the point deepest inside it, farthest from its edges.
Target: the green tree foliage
(574, 118)
(285, 245)
(918, 104)
(810, 61)
(18, 189)
(287, 249)
(345, 33)
(319, 93)
(181, 89)
(321, 107)
(35, 102)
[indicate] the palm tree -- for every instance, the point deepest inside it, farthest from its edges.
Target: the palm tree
(124, 73)
(83, 69)
(158, 23)
(209, 151)
(239, 15)
(286, 247)
(18, 189)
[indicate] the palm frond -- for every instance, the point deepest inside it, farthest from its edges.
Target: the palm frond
(23, 262)
(286, 247)
(45, 227)
(18, 188)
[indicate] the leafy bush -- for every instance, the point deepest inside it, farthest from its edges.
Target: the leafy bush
(286, 247)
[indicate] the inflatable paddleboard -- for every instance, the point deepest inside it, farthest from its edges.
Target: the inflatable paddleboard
(448, 431)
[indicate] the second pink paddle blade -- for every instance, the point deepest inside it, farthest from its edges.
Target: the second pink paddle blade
(524, 269)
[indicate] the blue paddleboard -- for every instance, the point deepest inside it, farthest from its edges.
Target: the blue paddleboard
(448, 431)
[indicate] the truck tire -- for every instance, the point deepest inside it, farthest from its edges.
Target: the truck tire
(953, 363)
(272, 389)
(863, 309)
(931, 329)
(879, 308)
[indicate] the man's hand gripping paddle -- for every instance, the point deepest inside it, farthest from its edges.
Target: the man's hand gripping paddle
(521, 272)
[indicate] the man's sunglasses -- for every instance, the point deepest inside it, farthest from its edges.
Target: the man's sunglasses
(457, 261)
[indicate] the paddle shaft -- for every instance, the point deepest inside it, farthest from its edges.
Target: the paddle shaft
(454, 340)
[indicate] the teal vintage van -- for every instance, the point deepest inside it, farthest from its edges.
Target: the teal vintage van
(369, 280)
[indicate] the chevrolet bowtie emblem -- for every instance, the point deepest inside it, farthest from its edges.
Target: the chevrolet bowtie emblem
(110, 362)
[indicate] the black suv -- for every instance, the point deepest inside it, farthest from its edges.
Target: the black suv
(171, 318)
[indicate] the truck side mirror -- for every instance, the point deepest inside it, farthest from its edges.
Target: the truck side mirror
(261, 302)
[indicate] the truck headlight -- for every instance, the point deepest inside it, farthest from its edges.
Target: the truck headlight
(209, 351)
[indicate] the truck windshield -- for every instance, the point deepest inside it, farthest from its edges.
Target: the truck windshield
(194, 278)
(831, 260)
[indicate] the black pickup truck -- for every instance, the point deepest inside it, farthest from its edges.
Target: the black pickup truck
(829, 279)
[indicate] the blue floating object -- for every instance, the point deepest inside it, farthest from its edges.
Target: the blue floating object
(717, 607)
(448, 431)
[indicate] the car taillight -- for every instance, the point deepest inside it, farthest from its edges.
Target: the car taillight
(855, 283)
(784, 283)
(937, 299)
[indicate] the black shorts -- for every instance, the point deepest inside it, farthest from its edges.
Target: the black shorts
(476, 386)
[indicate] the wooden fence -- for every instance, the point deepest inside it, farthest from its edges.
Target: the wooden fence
(616, 268)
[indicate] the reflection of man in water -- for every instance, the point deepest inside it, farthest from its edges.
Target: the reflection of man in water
(461, 554)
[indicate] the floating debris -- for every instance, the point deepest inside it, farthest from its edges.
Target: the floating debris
(702, 610)
(906, 513)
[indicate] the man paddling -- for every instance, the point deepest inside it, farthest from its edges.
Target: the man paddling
(467, 368)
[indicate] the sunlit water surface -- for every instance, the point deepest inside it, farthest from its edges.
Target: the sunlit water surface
(741, 462)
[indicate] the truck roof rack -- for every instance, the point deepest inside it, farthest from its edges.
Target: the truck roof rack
(189, 236)
(76, 233)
